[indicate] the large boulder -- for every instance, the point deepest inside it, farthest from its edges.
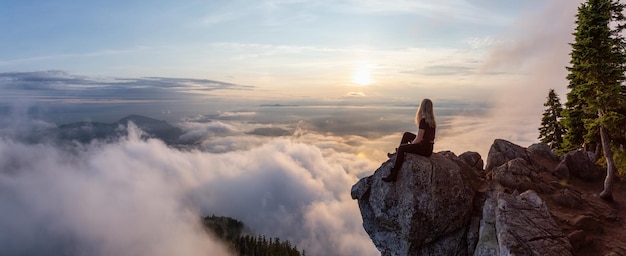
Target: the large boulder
(525, 227)
(518, 174)
(518, 224)
(427, 211)
(473, 159)
(578, 164)
(445, 205)
(542, 149)
(502, 151)
(539, 155)
(487, 244)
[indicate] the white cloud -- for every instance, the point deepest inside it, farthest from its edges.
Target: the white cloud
(137, 197)
(197, 131)
(538, 53)
(355, 94)
(231, 114)
(105, 201)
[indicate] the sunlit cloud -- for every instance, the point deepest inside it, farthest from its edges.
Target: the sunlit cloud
(97, 202)
(356, 94)
(232, 114)
(139, 196)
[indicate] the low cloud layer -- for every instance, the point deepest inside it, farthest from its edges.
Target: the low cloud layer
(141, 197)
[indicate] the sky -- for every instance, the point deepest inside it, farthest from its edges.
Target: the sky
(285, 49)
(292, 101)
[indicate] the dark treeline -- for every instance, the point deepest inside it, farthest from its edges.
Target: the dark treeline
(232, 232)
(594, 117)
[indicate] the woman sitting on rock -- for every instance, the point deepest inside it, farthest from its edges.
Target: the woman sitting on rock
(422, 143)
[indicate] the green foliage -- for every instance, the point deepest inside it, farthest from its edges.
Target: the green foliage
(225, 228)
(596, 77)
(596, 74)
(619, 156)
(597, 70)
(551, 130)
(592, 129)
(620, 162)
(574, 124)
(232, 232)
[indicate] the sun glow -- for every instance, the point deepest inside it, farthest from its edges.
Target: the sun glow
(362, 76)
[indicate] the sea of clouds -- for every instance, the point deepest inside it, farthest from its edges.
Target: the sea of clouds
(141, 197)
(138, 196)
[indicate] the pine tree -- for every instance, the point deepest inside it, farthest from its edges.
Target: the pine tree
(574, 117)
(230, 231)
(551, 130)
(597, 73)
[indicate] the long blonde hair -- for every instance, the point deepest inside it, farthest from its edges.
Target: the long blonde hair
(426, 111)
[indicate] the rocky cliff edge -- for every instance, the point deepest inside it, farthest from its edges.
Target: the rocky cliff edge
(520, 203)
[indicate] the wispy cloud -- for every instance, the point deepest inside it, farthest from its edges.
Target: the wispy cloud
(97, 53)
(442, 70)
(62, 85)
(355, 94)
(459, 10)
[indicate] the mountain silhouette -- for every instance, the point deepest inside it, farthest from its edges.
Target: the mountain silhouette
(86, 132)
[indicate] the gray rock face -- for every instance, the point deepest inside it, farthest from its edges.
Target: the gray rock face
(544, 150)
(525, 227)
(501, 152)
(578, 163)
(520, 175)
(444, 205)
(425, 212)
(473, 159)
(487, 244)
(539, 156)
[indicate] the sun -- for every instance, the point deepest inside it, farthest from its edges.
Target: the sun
(362, 76)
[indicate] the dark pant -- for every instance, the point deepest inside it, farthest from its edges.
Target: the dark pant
(423, 148)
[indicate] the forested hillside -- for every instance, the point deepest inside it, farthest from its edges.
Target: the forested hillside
(233, 232)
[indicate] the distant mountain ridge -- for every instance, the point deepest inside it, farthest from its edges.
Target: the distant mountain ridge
(86, 132)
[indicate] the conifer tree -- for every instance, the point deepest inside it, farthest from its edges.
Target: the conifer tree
(597, 73)
(551, 130)
(573, 120)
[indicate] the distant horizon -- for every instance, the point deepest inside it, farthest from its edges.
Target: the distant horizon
(288, 103)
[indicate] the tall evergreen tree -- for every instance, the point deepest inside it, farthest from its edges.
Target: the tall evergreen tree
(551, 130)
(597, 73)
(574, 117)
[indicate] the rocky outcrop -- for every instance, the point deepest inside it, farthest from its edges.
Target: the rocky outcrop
(427, 211)
(521, 175)
(502, 151)
(578, 163)
(525, 227)
(473, 159)
(449, 205)
(537, 155)
(542, 149)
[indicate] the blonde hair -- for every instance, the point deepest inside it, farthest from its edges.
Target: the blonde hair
(426, 111)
